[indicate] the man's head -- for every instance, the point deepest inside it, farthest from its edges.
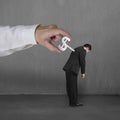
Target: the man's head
(87, 47)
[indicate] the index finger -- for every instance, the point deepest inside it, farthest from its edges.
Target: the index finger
(63, 33)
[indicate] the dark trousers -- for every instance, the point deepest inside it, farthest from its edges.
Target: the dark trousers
(71, 87)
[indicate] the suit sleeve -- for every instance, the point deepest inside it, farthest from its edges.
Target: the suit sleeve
(82, 62)
(16, 38)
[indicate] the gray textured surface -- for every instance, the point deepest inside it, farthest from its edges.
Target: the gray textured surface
(37, 70)
(56, 108)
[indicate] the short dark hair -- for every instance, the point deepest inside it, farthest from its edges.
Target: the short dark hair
(88, 46)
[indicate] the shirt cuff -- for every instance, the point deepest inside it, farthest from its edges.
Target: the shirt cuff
(29, 35)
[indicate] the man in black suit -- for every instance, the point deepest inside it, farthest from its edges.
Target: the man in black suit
(71, 68)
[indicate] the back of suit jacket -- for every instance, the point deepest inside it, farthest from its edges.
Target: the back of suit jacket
(76, 61)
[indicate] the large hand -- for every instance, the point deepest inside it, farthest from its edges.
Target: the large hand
(45, 35)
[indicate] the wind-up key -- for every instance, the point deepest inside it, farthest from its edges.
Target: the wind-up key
(64, 45)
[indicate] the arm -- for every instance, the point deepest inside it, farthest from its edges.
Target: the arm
(82, 63)
(20, 37)
(16, 38)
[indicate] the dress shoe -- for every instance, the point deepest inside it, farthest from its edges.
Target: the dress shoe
(76, 104)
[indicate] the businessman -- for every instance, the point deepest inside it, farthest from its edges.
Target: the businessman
(20, 37)
(71, 68)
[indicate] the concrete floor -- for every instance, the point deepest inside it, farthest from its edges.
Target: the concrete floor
(43, 107)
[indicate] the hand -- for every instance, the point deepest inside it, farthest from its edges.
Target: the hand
(83, 76)
(45, 35)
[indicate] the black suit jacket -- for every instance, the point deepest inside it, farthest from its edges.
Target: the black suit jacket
(76, 61)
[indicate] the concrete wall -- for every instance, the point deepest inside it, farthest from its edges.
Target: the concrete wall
(38, 71)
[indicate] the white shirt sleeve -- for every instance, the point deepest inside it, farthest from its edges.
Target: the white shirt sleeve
(16, 38)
